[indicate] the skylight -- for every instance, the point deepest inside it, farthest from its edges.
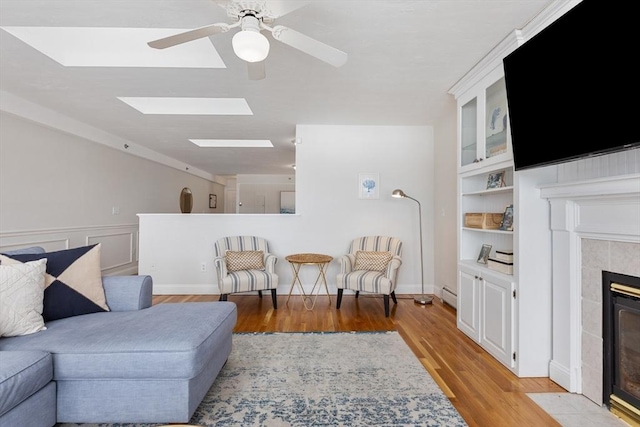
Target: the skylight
(116, 47)
(191, 106)
(234, 143)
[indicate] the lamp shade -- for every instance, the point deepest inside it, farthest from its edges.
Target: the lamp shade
(397, 193)
(250, 45)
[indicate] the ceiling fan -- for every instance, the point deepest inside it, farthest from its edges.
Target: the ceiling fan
(249, 43)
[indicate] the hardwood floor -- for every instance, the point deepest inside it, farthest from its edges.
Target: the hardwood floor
(482, 390)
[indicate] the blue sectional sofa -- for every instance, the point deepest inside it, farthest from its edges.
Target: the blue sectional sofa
(135, 363)
(27, 390)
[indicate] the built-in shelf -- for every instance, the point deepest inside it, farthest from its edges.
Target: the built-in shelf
(487, 230)
(490, 191)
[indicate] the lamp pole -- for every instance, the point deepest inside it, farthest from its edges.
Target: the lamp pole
(420, 299)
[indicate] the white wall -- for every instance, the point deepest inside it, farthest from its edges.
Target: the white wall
(329, 213)
(59, 190)
(445, 215)
(614, 164)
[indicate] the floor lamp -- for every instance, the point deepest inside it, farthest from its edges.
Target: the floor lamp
(420, 299)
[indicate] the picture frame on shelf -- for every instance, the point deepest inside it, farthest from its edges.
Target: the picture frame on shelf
(483, 256)
(213, 201)
(496, 180)
(507, 219)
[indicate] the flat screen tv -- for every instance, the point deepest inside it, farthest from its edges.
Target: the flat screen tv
(573, 89)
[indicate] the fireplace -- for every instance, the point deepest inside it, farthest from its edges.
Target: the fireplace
(621, 341)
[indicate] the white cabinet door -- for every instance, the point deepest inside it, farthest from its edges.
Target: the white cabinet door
(496, 318)
(483, 126)
(468, 316)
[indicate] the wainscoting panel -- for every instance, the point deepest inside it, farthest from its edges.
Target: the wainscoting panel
(119, 250)
(116, 250)
(48, 245)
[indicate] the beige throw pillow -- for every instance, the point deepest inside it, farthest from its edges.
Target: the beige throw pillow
(22, 298)
(372, 260)
(244, 260)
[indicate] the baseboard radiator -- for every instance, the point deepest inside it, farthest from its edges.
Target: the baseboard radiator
(449, 297)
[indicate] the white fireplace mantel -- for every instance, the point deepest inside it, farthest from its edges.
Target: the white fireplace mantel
(605, 209)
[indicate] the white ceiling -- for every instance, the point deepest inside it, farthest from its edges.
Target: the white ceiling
(403, 58)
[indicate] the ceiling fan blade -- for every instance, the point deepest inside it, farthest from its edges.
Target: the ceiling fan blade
(223, 3)
(188, 36)
(256, 70)
(313, 47)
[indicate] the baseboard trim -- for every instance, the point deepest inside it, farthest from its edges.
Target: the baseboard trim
(449, 297)
(175, 289)
(212, 289)
(127, 271)
(560, 375)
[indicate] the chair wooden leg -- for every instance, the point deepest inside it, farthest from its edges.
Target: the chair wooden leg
(260, 294)
(274, 298)
(393, 296)
(386, 305)
(339, 297)
(357, 294)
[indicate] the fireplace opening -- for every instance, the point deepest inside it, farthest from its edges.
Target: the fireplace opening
(621, 336)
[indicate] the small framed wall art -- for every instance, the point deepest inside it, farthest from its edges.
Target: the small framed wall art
(213, 201)
(369, 186)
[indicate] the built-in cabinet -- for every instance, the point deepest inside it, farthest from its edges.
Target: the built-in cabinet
(482, 113)
(485, 306)
(486, 298)
(508, 315)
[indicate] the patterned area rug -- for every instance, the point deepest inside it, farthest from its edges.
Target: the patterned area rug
(323, 379)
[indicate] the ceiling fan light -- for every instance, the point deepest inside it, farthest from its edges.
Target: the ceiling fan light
(250, 46)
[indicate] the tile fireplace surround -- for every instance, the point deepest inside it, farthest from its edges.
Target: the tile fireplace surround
(595, 226)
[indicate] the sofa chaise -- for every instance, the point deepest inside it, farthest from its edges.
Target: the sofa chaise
(132, 364)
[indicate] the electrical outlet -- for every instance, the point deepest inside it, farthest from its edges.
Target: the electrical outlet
(115, 210)
(203, 267)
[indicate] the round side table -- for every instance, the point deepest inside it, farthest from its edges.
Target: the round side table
(319, 260)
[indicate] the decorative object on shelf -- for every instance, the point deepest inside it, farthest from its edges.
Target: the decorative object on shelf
(422, 298)
(213, 201)
(369, 186)
(507, 219)
(483, 256)
(496, 116)
(483, 220)
(496, 180)
(186, 200)
(504, 255)
(499, 265)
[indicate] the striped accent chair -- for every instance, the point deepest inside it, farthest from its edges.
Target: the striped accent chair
(259, 279)
(370, 279)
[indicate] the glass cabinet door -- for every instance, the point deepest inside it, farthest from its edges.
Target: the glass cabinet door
(469, 132)
(496, 120)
